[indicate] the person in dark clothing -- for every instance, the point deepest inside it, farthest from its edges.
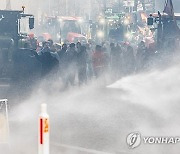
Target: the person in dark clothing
(63, 62)
(78, 47)
(120, 61)
(62, 55)
(89, 61)
(115, 55)
(48, 61)
(82, 65)
(32, 41)
(140, 56)
(57, 47)
(129, 60)
(150, 56)
(71, 64)
(50, 43)
(104, 47)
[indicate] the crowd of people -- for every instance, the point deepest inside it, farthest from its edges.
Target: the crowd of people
(87, 61)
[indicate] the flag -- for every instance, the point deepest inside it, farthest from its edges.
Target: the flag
(8, 4)
(169, 9)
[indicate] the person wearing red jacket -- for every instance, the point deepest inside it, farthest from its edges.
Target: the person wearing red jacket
(98, 61)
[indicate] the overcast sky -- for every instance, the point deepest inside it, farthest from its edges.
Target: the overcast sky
(16, 4)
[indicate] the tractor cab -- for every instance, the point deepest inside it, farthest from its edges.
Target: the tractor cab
(10, 27)
(15, 59)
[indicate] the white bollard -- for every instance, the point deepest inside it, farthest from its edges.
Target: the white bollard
(43, 137)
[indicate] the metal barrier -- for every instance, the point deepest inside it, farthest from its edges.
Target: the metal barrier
(4, 122)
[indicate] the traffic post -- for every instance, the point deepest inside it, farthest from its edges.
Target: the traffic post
(43, 137)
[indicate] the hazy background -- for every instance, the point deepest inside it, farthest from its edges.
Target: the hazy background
(84, 6)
